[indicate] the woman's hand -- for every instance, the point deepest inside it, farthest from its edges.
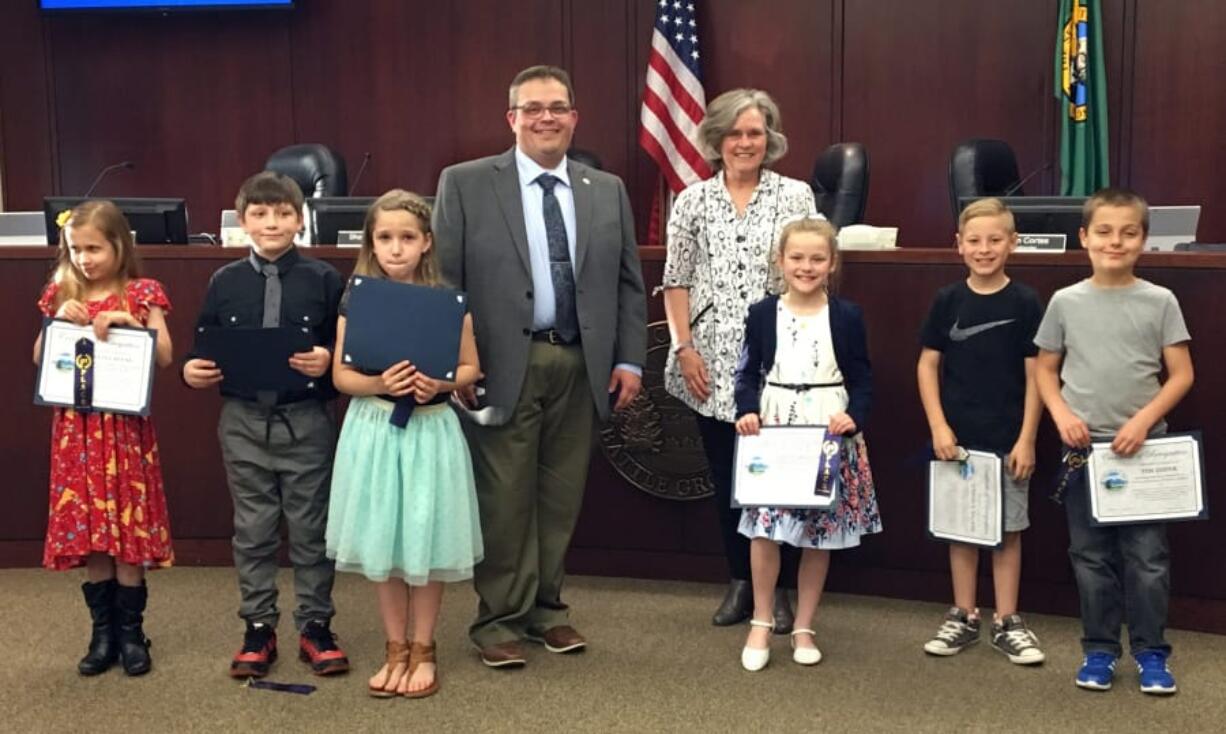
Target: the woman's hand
(694, 372)
(74, 311)
(398, 379)
(105, 320)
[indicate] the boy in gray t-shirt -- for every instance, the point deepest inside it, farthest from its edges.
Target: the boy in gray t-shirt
(1107, 339)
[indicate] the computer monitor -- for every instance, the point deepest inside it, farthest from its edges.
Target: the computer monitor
(1043, 215)
(328, 215)
(155, 221)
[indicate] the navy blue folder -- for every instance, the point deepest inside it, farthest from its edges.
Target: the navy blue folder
(256, 359)
(387, 322)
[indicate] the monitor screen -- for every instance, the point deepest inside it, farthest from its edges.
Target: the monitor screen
(160, 5)
(1043, 215)
(327, 215)
(155, 221)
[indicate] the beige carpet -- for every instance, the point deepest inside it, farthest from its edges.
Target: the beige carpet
(655, 664)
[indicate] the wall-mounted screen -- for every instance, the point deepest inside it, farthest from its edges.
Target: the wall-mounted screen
(160, 5)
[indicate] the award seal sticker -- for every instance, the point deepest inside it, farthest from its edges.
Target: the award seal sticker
(756, 466)
(1115, 481)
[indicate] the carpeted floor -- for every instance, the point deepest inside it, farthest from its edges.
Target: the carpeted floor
(655, 664)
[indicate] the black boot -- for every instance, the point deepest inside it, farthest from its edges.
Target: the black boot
(784, 618)
(129, 614)
(103, 649)
(737, 605)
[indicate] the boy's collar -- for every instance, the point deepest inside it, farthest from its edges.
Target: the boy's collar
(283, 262)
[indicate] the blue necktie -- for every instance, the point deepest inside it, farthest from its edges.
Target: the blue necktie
(566, 319)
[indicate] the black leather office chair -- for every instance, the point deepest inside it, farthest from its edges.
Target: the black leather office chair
(840, 183)
(586, 157)
(982, 167)
(317, 169)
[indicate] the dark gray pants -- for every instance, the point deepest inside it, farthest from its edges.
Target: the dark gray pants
(1123, 574)
(279, 462)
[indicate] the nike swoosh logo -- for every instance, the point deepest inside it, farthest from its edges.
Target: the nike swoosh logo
(961, 335)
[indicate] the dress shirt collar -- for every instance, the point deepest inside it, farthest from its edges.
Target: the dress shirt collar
(283, 263)
(530, 169)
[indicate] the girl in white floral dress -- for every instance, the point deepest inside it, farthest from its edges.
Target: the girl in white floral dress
(810, 351)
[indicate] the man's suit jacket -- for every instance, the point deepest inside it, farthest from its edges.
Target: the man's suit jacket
(482, 246)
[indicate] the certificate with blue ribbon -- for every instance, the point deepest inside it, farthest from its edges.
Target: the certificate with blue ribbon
(787, 466)
(78, 371)
(966, 501)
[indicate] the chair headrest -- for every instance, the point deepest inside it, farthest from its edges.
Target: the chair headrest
(317, 169)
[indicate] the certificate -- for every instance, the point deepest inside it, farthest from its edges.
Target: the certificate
(1161, 482)
(965, 501)
(77, 370)
(786, 466)
(388, 322)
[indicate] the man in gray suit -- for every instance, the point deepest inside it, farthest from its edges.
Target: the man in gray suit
(545, 248)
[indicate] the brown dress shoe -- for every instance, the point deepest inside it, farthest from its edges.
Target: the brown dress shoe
(504, 655)
(562, 638)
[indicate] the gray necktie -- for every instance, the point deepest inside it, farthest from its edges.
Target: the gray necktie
(566, 319)
(272, 317)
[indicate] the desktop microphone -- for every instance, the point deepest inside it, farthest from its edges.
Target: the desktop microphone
(361, 169)
(103, 174)
(1015, 187)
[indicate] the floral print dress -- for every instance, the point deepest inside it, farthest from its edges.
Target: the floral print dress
(804, 355)
(106, 478)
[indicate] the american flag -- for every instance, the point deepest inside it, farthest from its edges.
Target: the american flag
(673, 99)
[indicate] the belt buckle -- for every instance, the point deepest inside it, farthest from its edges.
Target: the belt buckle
(554, 337)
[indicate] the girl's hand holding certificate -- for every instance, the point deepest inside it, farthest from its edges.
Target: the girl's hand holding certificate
(749, 424)
(399, 379)
(105, 320)
(74, 311)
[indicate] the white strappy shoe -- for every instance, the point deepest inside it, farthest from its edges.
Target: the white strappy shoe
(752, 658)
(805, 655)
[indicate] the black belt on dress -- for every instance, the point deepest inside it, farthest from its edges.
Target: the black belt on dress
(804, 386)
(553, 337)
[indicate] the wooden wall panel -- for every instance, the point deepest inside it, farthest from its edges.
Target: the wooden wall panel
(27, 140)
(918, 79)
(1179, 108)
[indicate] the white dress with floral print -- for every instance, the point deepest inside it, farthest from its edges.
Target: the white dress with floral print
(804, 355)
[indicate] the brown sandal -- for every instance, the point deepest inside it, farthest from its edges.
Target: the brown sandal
(422, 653)
(397, 656)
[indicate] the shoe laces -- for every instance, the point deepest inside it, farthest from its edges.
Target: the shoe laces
(320, 635)
(1152, 661)
(256, 638)
(1099, 659)
(951, 629)
(1020, 637)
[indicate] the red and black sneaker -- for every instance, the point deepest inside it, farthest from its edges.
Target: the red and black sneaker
(317, 646)
(259, 651)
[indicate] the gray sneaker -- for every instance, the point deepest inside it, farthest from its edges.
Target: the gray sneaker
(957, 632)
(1018, 643)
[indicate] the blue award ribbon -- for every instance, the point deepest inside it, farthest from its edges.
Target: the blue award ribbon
(828, 465)
(83, 375)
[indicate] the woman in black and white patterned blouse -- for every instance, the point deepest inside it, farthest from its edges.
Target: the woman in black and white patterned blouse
(720, 236)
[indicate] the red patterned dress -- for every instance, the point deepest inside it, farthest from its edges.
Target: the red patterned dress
(106, 479)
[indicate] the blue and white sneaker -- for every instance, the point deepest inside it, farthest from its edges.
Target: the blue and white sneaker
(1096, 672)
(1156, 678)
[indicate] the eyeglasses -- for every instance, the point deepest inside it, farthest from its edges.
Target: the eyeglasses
(534, 110)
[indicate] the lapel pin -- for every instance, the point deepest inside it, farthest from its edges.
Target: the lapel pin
(587, 181)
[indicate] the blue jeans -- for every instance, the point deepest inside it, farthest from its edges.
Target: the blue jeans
(1123, 574)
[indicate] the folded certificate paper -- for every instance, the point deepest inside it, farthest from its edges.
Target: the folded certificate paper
(965, 500)
(76, 370)
(787, 466)
(1163, 481)
(389, 322)
(256, 359)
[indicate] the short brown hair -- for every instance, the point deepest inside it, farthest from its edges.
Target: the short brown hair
(268, 187)
(989, 207)
(1112, 196)
(398, 200)
(542, 71)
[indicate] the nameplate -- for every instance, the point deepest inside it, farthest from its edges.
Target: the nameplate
(349, 238)
(235, 237)
(1041, 242)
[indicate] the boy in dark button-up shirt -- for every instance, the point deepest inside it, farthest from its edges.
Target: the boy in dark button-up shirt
(277, 446)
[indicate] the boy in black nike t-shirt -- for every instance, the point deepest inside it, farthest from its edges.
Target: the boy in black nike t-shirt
(976, 381)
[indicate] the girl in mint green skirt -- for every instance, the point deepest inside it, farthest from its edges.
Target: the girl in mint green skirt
(403, 509)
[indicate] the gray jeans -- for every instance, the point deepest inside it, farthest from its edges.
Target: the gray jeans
(279, 462)
(1123, 574)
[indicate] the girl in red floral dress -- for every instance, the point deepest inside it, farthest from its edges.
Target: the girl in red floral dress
(107, 509)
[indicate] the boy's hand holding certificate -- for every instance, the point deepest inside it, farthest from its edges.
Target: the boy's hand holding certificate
(965, 500)
(1162, 481)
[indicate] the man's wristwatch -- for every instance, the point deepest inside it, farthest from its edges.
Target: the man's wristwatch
(687, 344)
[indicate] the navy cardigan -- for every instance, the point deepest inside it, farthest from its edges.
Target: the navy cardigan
(850, 353)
